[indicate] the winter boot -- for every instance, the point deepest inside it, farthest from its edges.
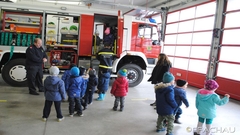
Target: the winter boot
(103, 96)
(208, 130)
(199, 128)
(115, 108)
(121, 109)
(100, 98)
(177, 121)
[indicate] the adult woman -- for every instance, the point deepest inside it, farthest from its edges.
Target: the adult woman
(163, 65)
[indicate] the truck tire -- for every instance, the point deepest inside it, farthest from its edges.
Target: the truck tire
(14, 73)
(134, 74)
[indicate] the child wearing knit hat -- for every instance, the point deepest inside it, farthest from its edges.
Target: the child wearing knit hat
(54, 92)
(66, 75)
(206, 101)
(75, 92)
(165, 103)
(120, 89)
(180, 97)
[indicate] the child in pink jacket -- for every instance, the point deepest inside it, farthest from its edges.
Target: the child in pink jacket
(120, 89)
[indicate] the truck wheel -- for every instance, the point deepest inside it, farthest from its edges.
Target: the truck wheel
(14, 73)
(134, 74)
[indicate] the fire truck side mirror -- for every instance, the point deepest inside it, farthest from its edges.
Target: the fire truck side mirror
(155, 42)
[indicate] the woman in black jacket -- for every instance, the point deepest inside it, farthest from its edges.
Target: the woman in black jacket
(163, 65)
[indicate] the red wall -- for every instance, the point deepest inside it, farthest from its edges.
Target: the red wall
(226, 86)
(86, 35)
(193, 78)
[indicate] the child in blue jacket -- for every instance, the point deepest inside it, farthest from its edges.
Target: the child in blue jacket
(85, 76)
(91, 87)
(75, 92)
(54, 92)
(165, 103)
(66, 76)
(180, 97)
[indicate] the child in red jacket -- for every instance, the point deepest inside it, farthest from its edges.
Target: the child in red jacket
(120, 89)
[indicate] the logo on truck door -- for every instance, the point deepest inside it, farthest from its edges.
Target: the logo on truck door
(149, 48)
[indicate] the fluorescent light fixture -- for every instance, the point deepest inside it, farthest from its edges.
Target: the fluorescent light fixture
(60, 2)
(65, 2)
(51, 1)
(14, 1)
(63, 8)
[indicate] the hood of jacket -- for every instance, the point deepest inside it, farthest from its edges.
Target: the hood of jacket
(161, 85)
(205, 94)
(106, 75)
(51, 82)
(121, 81)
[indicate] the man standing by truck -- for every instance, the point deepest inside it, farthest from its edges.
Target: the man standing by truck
(35, 57)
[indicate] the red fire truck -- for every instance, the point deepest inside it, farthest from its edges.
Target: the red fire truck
(69, 39)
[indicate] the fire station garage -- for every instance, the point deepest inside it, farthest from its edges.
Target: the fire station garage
(200, 38)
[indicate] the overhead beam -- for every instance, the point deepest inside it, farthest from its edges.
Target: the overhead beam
(51, 7)
(122, 5)
(101, 2)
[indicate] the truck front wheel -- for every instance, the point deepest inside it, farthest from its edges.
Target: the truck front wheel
(14, 73)
(134, 74)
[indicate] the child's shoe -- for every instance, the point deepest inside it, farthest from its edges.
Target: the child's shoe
(80, 114)
(100, 97)
(60, 119)
(160, 130)
(177, 121)
(114, 108)
(44, 119)
(153, 104)
(195, 133)
(169, 134)
(121, 109)
(70, 115)
(84, 107)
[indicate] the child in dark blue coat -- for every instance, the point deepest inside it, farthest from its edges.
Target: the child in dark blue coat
(75, 92)
(91, 87)
(85, 77)
(66, 76)
(103, 84)
(165, 103)
(180, 97)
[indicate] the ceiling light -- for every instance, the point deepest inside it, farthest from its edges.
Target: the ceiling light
(63, 8)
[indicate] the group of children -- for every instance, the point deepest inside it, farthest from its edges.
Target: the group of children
(169, 98)
(79, 86)
(74, 84)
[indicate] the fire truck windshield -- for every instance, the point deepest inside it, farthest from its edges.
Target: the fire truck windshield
(149, 32)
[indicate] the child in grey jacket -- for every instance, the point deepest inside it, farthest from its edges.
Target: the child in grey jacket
(54, 92)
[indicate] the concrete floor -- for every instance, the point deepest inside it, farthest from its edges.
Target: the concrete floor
(21, 113)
